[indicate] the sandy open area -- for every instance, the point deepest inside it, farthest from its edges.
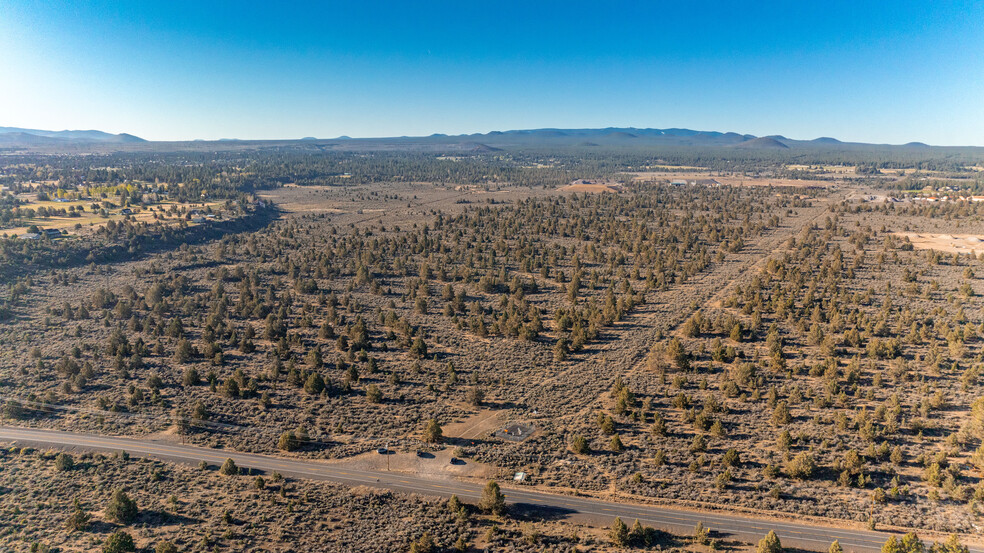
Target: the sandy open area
(592, 187)
(953, 243)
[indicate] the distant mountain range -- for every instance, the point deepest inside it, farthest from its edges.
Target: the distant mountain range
(610, 137)
(16, 136)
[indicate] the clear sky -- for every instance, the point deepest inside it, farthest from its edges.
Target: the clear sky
(893, 71)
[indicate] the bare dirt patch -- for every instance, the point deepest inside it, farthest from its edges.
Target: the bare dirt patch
(429, 464)
(479, 425)
(592, 187)
(952, 243)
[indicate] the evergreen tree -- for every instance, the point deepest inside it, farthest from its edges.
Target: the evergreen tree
(165, 547)
(433, 433)
(229, 468)
(79, 519)
(619, 533)
(419, 348)
(64, 462)
(119, 542)
(492, 501)
(770, 543)
(121, 508)
(579, 445)
(288, 441)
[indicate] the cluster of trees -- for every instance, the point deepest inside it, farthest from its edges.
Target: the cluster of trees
(817, 374)
(321, 310)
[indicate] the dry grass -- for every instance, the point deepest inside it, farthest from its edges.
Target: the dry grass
(201, 510)
(91, 221)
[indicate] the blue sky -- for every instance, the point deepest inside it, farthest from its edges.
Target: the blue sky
(868, 71)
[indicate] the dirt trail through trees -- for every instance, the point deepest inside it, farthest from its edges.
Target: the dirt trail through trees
(625, 345)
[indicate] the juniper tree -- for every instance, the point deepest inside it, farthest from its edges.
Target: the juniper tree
(229, 468)
(433, 432)
(492, 501)
(769, 544)
(121, 508)
(618, 533)
(79, 519)
(119, 542)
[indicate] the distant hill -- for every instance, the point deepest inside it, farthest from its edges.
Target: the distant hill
(17, 135)
(763, 143)
(612, 138)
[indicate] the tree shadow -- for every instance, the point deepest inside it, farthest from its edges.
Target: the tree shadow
(164, 518)
(531, 512)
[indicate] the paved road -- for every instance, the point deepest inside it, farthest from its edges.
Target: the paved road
(796, 534)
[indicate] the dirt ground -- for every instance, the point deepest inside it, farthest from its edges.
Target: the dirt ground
(476, 426)
(432, 463)
(959, 243)
(592, 188)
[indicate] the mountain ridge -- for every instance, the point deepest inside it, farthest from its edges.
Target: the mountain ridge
(18, 134)
(614, 137)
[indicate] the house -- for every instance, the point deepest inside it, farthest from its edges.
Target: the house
(678, 182)
(126, 211)
(30, 236)
(51, 233)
